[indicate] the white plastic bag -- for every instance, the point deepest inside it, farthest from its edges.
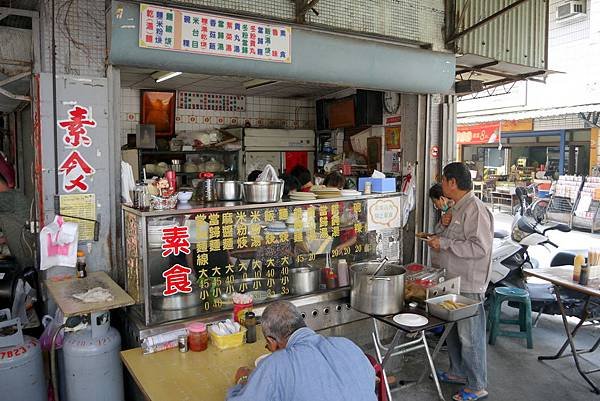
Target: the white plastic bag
(58, 244)
(268, 174)
(408, 188)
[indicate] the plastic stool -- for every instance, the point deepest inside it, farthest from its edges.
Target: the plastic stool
(519, 296)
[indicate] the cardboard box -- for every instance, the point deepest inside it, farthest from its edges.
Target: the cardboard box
(378, 185)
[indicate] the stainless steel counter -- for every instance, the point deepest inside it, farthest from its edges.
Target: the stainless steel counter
(219, 206)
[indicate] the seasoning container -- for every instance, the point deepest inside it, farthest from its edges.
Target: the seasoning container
(250, 323)
(197, 337)
(343, 275)
(81, 272)
(242, 303)
(331, 281)
(579, 260)
(368, 186)
(584, 275)
(182, 342)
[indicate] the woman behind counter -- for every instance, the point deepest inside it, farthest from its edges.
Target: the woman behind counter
(302, 174)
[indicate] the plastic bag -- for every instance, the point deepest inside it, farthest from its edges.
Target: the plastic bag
(51, 324)
(268, 174)
(408, 188)
(19, 306)
(58, 244)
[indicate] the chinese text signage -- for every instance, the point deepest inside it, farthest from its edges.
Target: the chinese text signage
(193, 32)
(74, 168)
(478, 134)
(383, 213)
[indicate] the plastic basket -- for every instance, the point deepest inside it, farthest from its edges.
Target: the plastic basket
(228, 341)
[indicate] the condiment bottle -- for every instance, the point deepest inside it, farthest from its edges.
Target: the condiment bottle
(368, 186)
(197, 337)
(584, 275)
(579, 260)
(331, 282)
(342, 268)
(81, 272)
(250, 323)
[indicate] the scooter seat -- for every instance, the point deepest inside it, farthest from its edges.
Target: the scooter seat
(500, 234)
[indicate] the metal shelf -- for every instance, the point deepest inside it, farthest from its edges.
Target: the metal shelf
(184, 152)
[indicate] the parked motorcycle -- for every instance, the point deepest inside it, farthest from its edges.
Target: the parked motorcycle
(510, 256)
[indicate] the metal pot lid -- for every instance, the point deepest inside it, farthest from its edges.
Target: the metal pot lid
(368, 268)
(304, 269)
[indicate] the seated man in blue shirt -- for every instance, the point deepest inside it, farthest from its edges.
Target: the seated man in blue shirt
(304, 366)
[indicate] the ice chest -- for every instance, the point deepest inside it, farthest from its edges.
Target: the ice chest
(378, 184)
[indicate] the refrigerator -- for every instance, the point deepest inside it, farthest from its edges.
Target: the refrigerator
(281, 148)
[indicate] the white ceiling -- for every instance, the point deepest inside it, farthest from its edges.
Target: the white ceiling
(138, 78)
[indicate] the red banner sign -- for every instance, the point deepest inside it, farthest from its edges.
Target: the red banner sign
(478, 134)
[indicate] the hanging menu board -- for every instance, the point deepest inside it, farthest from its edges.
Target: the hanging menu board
(181, 30)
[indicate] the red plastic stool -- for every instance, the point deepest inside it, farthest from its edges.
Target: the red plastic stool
(380, 389)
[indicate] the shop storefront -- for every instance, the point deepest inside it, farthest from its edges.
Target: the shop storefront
(238, 94)
(524, 151)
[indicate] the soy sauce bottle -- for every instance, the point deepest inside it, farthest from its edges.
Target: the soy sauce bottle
(81, 272)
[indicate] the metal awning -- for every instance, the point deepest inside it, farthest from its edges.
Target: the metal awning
(495, 73)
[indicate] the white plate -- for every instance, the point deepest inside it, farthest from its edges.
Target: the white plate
(260, 358)
(350, 193)
(411, 319)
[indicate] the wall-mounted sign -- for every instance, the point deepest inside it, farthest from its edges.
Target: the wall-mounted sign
(392, 138)
(181, 30)
(517, 125)
(384, 213)
(210, 101)
(393, 120)
(478, 134)
(74, 168)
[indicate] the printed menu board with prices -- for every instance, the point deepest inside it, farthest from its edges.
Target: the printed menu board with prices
(181, 30)
(254, 251)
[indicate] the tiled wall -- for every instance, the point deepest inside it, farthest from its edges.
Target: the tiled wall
(261, 112)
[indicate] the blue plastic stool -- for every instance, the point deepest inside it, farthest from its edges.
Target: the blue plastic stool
(517, 295)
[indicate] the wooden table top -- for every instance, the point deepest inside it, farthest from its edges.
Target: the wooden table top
(62, 288)
(202, 376)
(563, 277)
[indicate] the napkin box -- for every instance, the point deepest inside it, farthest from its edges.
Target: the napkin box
(378, 184)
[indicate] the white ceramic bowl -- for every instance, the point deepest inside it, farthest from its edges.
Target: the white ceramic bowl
(184, 196)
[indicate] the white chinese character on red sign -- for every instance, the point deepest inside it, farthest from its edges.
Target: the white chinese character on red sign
(74, 169)
(76, 127)
(175, 240)
(177, 279)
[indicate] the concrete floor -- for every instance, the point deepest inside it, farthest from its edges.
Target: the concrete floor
(514, 373)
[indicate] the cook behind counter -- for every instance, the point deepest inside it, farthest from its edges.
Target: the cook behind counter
(311, 367)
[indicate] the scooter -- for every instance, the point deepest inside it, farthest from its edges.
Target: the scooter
(511, 256)
(510, 252)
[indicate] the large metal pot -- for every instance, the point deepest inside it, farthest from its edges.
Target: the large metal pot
(304, 280)
(380, 295)
(228, 190)
(263, 192)
(173, 302)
